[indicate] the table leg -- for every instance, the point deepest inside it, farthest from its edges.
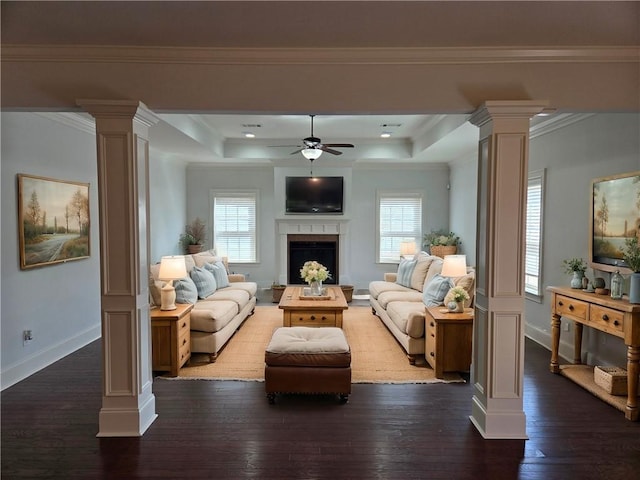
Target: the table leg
(633, 357)
(555, 342)
(577, 343)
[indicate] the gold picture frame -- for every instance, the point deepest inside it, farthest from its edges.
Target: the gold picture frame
(615, 216)
(53, 221)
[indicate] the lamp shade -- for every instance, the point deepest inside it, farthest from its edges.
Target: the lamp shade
(407, 248)
(311, 153)
(172, 268)
(454, 266)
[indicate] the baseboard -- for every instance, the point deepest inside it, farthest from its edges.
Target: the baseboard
(565, 350)
(39, 360)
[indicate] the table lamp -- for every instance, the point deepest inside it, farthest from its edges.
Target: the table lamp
(171, 268)
(407, 249)
(454, 266)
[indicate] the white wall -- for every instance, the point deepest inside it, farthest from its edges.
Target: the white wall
(60, 303)
(167, 205)
(463, 204)
(598, 146)
(365, 181)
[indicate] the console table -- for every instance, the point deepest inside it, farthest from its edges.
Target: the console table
(615, 317)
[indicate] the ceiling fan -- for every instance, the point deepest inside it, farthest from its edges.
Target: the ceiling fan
(313, 146)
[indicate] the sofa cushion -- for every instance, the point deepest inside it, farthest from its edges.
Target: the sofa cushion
(434, 269)
(405, 272)
(435, 290)
(468, 282)
(250, 287)
(204, 280)
(408, 317)
(423, 262)
(219, 272)
(212, 316)
(155, 287)
(405, 296)
(376, 287)
(202, 258)
(240, 297)
(186, 291)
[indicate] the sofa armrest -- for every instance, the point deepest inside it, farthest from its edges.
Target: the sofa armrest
(415, 325)
(390, 277)
(236, 277)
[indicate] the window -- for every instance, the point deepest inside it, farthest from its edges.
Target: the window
(533, 238)
(234, 225)
(399, 219)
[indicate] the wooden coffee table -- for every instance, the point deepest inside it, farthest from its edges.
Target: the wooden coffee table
(312, 312)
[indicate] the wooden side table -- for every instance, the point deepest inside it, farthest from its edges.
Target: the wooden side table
(448, 340)
(171, 338)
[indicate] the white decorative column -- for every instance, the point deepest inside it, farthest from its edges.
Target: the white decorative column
(122, 131)
(498, 334)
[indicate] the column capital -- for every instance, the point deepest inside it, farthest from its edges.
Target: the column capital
(113, 109)
(493, 109)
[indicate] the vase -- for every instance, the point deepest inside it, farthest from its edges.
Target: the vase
(455, 307)
(316, 288)
(634, 288)
(617, 284)
(576, 280)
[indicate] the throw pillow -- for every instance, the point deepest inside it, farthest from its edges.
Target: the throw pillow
(423, 262)
(405, 271)
(219, 272)
(204, 280)
(186, 291)
(435, 290)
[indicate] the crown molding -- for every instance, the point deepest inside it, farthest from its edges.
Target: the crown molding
(557, 122)
(318, 56)
(73, 120)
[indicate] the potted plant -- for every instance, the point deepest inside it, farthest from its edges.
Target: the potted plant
(631, 255)
(575, 267)
(194, 236)
(441, 243)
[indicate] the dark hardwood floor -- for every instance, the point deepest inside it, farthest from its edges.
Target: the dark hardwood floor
(227, 430)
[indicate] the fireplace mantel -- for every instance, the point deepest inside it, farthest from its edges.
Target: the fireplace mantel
(324, 225)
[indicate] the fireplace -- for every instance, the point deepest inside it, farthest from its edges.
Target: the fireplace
(304, 229)
(322, 248)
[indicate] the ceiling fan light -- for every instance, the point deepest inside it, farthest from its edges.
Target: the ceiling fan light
(311, 153)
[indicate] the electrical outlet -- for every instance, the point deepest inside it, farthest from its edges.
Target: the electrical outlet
(565, 326)
(27, 337)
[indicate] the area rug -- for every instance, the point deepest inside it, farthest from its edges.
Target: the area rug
(583, 376)
(376, 357)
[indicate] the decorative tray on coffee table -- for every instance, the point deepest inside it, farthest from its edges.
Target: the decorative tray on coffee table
(305, 294)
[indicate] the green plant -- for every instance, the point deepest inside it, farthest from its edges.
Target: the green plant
(459, 294)
(631, 253)
(574, 265)
(195, 233)
(440, 237)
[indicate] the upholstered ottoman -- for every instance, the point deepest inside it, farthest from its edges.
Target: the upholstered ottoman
(308, 360)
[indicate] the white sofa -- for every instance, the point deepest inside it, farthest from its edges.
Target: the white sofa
(216, 318)
(402, 309)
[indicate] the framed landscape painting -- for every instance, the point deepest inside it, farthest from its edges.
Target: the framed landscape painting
(615, 216)
(53, 221)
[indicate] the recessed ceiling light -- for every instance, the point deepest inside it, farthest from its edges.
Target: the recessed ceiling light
(249, 135)
(385, 135)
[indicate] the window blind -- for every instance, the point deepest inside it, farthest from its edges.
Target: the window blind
(533, 238)
(234, 226)
(400, 219)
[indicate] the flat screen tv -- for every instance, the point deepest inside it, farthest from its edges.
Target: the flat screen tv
(314, 195)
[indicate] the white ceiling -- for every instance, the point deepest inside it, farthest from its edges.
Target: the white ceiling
(220, 138)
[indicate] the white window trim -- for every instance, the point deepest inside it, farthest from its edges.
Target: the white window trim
(396, 193)
(231, 192)
(537, 177)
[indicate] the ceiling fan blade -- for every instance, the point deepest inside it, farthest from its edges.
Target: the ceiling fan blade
(330, 150)
(341, 145)
(297, 151)
(282, 146)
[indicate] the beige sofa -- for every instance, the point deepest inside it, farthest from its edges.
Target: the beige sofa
(401, 308)
(216, 318)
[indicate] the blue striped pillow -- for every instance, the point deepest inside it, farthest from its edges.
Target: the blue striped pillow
(186, 291)
(436, 290)
(204, 280)
(219, 272)
(405, 272)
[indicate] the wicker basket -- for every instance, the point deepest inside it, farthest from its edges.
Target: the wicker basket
(347, 290)
(442, 250)
(612, 379)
